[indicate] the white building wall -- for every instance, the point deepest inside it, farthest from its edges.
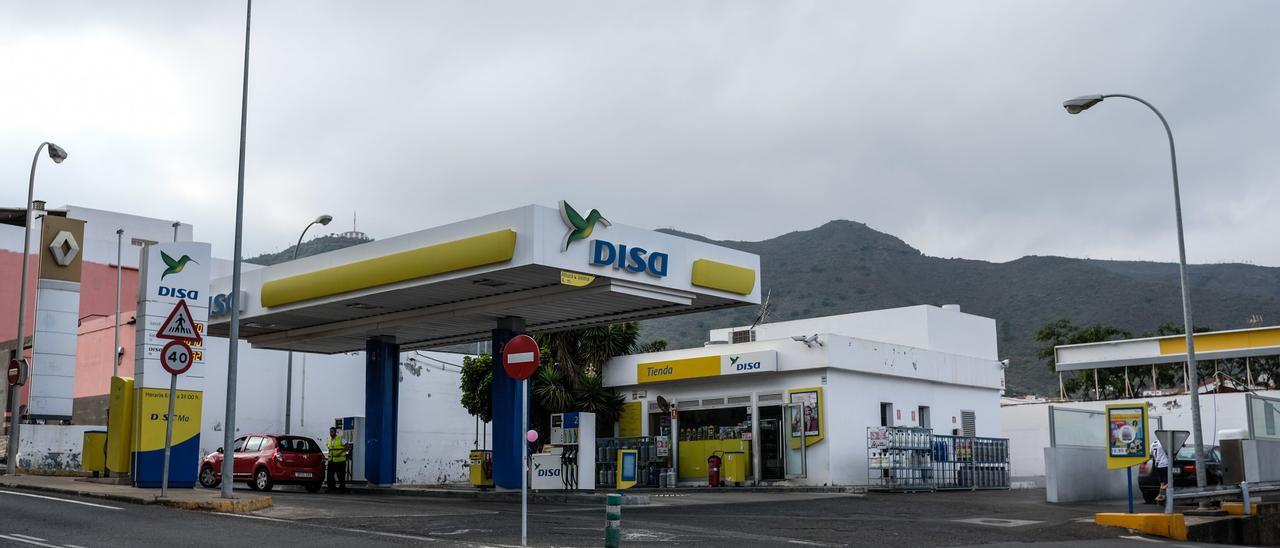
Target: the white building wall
(1027, 426)
(855, 401)
(924, 326)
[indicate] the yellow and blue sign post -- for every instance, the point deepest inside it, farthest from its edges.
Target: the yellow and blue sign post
(1127, 439)
(148, 454)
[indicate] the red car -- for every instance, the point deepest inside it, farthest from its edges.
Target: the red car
(265, 460)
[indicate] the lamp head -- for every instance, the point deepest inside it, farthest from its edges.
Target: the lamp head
(324, 219)
(1081, 104)
(57, 153)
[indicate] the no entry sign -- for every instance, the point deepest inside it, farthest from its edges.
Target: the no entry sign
(17, 372)
(520, 357)
(176, 357)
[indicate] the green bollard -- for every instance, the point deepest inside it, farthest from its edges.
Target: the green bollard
(613, 521)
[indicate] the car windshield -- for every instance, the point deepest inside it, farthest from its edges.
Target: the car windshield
(299, 445)
(1189, 453)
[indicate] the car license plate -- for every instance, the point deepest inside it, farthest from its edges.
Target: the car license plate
(302, 474)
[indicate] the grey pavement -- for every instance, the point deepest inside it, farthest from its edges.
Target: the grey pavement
(1006, 518)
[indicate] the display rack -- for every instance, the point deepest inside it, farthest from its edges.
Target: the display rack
(915, 459)
(967, 462)
(650, 466)
(900, 458)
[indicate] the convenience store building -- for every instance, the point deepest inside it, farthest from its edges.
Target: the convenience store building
(795, 399)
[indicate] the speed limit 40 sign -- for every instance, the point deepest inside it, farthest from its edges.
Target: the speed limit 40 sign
(176, 357)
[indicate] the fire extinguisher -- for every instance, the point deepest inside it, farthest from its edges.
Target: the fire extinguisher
(713, 470)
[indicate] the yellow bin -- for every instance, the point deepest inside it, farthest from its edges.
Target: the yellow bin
(733, 471)
(482, 468)
(93, 455)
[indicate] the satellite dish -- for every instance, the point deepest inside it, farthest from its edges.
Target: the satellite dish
(663, 404)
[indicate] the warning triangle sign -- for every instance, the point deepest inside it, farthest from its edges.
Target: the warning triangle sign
(179, 325)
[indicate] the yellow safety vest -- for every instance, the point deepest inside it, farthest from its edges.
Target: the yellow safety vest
(337, 451)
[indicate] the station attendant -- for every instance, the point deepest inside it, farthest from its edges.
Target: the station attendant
(1160, 468)
(338, 451)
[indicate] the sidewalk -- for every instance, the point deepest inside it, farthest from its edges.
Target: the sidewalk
(631, 497)
(187, 499)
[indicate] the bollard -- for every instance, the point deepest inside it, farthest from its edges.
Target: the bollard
(613, 521)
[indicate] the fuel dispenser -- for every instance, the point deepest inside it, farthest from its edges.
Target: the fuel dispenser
(352, 432)
(569, 460)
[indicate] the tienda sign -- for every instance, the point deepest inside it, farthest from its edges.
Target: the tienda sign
(707, 366)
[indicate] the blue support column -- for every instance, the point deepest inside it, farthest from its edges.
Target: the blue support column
(507, 404)
(381, 404)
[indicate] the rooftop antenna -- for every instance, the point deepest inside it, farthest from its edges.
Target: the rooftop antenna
(764, 311)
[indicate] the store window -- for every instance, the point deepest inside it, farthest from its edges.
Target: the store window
(886, 414)
(924, 416)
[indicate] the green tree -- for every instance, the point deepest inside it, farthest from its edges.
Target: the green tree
(477, 386)
(1110, 382)
(569, 376)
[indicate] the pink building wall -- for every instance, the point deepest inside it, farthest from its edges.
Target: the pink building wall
(97, 309)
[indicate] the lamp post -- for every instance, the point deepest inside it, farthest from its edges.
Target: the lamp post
(233, 343)
(1080, 104)
(288, 383)
(57, 155)
(115, 348)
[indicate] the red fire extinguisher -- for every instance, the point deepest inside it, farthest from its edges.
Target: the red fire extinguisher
(713, 470)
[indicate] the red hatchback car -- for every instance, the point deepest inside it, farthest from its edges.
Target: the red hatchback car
(264, 460)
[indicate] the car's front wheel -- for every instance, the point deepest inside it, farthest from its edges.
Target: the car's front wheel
(208, 478)
(262, 480)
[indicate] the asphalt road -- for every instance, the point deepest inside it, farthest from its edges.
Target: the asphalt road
(737, 520)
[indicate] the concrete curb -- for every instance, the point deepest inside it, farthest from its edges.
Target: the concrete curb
(131, 499)
(232, 506)
(1172, 526)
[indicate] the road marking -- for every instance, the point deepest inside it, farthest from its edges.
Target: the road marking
(25, 541)
(263, 518)
(805, 542)
(61, 500)
(998, 522)
(73, 546)
(28, 537)
(1136, 537)
(393, 535)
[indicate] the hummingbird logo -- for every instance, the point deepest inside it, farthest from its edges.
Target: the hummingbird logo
(174, 266)
(579, 228)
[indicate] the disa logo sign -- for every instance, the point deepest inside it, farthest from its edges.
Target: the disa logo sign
(603, 253)
(744, 366)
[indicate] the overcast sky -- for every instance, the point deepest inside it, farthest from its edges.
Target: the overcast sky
(937, 122)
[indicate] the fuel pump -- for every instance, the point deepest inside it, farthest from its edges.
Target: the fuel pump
(569, 459)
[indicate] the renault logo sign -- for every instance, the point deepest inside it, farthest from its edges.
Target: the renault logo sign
(64, 248)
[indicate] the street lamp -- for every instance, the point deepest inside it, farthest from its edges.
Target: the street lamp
(288, 383)
(57, 155)
(1080, 104)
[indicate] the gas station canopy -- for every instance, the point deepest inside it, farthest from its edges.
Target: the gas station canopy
(1260, 341)
(451, 284)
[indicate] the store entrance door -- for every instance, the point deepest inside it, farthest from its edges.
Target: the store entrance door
(771, 452)
(796, 441)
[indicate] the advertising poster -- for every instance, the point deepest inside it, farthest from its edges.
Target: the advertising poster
(1127, 438)
(809, 419)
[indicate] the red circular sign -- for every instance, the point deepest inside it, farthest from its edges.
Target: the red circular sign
(15, 373)
(176, 357)
(520, 357)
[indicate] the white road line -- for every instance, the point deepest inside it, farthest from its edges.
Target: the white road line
(28, 537)
(263, 518)
(1136, 537)
(61, 500)
(73, 546)
(25, 541)
(393, 535)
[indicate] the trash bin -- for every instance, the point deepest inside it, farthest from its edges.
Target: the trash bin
(482, 468)
(1230, 443)
(93, 454)
(734, 469)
